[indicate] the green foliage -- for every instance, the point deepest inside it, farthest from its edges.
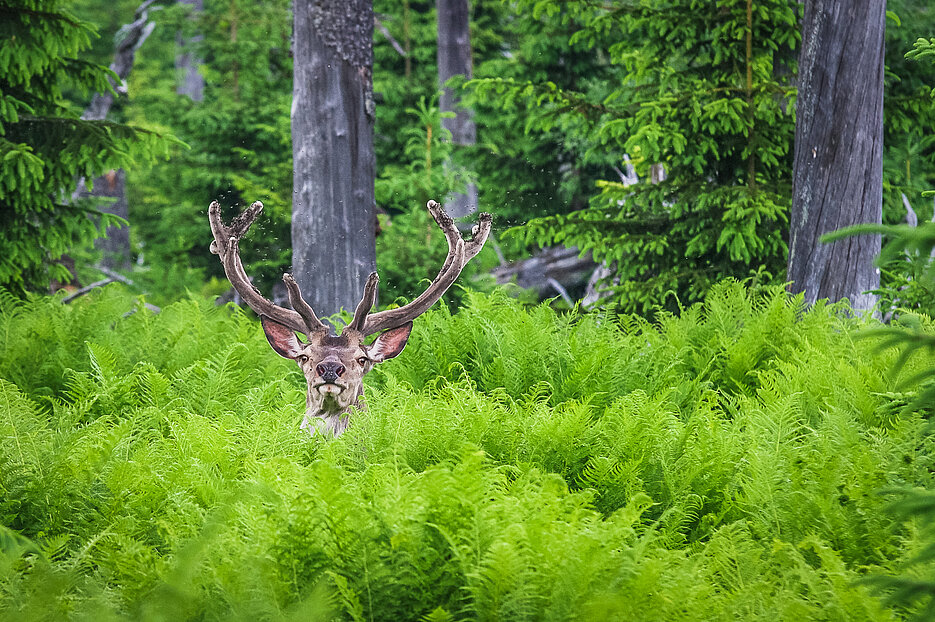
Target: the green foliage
(428, 147)
(909, 158)
(909, 154)
(524, 174)
(918, 507)
(907, 278)
(565, 91)
(512, 464)
(716, 114)
(411, 248)
(921, 49)
(516, 173)
(239, 142)
(400, 83)
(45, 145)
(910, 249)
(906, 260)
(241, 148)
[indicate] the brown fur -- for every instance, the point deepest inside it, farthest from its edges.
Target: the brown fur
(328, 404)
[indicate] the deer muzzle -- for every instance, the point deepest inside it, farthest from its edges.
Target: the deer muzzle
(330, 371)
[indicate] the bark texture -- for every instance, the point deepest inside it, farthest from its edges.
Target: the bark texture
(333, 219)
(454, 58)
(838, 166)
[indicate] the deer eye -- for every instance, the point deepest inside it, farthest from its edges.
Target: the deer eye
(303, 358)
(362, 360)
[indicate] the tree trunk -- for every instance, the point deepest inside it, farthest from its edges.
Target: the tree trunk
(129, 39)
(454, 58)
(116, 241)
(333, 219)
(191, 82)
(115, 245)
(838, 162)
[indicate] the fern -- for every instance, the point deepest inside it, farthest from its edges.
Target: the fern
(513, 463)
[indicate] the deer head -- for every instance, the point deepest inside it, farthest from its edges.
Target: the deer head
(335, 366)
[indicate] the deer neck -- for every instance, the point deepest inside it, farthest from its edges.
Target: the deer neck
(324, 414)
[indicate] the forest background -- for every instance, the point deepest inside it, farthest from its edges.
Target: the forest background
(702, 445)
(572, 109)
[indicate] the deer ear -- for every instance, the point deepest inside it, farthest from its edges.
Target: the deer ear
(281, 338)
(390, 343)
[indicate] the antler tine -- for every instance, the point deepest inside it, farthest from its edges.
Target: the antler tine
(366, 302)
(242, 221)
(479, 233)
(447, 225)
(444, 222)
(304, 309)
(225, 245)
(459, 253)
(220, 232)
(391, 318)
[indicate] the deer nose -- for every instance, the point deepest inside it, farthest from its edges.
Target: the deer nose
(329, 371)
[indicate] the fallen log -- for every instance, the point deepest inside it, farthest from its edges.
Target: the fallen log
(553, 270)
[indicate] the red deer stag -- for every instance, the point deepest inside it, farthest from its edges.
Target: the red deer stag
(334, 367)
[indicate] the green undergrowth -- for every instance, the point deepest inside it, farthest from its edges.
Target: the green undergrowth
(734, 462)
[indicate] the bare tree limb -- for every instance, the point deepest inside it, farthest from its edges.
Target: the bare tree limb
(911, 219)
(116, 276)
(386, 33)
(561, 290)
(87, 288)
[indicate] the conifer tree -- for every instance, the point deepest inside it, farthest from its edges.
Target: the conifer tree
(702, 89)
(45, 145)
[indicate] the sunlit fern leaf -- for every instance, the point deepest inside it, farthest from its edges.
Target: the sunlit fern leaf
(437, 615)
(103, 363)
(21, 427)
(154, 386)
(504, 582)
(676, 521)
(600, 473)
(913, 584)
(81, 389)
(14, 545)
(11, 311)
(468, 484)
(55, 547)
(347, 597)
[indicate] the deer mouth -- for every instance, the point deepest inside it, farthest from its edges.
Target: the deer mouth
(332, 388)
